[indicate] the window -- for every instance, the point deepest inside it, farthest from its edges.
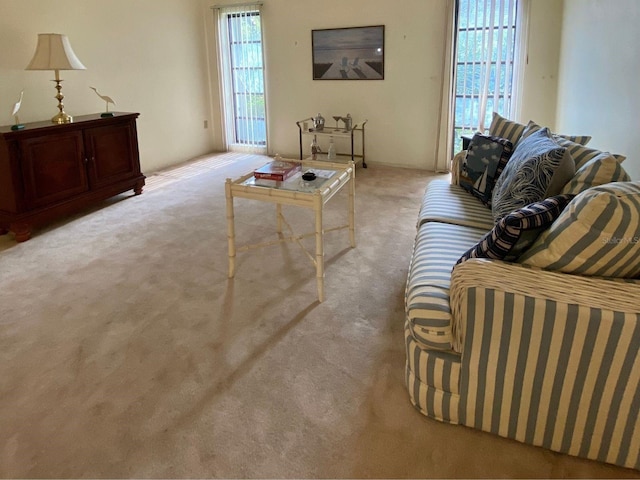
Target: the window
(485, 64)
(241, 62)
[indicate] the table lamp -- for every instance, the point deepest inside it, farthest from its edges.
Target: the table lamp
(54, 52)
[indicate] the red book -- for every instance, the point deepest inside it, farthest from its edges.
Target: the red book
(279, 171)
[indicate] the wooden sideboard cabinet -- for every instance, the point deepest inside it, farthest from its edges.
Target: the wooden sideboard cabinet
(48, 171)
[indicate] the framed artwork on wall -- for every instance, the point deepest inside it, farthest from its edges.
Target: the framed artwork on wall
(355, 53)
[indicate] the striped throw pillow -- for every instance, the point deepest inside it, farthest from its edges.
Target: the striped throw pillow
(582, 154)
(598, 234)
(514, 233)
(504, 128)
(534, 127)
(600, 170)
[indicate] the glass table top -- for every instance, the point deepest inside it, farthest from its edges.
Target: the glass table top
(296, 183)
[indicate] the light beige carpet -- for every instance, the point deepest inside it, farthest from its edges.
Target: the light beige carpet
(126, 352)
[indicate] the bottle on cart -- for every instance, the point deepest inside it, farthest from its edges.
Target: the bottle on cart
(331, 153)
(315, 149)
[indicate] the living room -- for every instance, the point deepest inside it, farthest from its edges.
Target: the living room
(155, 57)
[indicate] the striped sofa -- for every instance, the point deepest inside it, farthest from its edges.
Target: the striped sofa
(546, 358)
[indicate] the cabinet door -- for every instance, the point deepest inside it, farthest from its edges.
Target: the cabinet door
(53, 168)
(113, 153)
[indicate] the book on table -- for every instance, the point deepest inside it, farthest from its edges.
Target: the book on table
(277, 170)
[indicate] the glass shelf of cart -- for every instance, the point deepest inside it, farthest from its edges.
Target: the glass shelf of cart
(332, 131)
(355, 135)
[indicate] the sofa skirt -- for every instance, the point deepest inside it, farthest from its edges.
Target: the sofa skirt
(433, 380)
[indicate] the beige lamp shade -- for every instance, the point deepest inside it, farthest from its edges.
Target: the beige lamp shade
(54, 52)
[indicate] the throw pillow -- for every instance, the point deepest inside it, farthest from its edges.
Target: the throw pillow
(483, 164)
(539, 168)
(582, 154)
(600, 170)
(598, 234)
(514, 233)
(504, 128)
(534, 127)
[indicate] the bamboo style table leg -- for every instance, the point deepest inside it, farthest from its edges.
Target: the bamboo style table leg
(352, 208)
(231, 231)
(279, 218)
(319, 246)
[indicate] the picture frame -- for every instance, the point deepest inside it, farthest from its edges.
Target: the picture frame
(352, 53)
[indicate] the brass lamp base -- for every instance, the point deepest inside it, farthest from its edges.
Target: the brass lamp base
(61, 118)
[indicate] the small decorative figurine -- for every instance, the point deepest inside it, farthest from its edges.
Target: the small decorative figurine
(107, 100)
(17, 125)
(318, 122)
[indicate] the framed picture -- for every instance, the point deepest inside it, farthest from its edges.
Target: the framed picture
(355, 53)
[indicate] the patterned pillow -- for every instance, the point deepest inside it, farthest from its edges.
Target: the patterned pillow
(539, 168)
(514, 233)
(503, 128)
(600, 170)
(598, 234)
(582, 154)
(483, 164)
(534, 127)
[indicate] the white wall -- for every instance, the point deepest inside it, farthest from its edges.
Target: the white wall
(540, 81)
(600, 66)
(149, 55)
(402, 109)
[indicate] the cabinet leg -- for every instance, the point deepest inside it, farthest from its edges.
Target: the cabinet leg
(22, 231)
(137, 189)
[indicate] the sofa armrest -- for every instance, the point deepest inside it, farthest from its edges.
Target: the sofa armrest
(549, 359)
(523, 281)
(455, 165)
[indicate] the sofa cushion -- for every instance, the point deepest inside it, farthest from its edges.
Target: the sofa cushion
(505, 128)
(443, 202)
(515, 232)
(582, 154)
(539, 168)
(437, 248)
(486, 158)
(533, 127)
(600, 170)
(598, 234)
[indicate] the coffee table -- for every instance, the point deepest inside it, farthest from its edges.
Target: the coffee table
(332, 177)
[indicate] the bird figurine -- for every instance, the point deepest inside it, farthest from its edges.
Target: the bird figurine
(14, 113)
(107, 100)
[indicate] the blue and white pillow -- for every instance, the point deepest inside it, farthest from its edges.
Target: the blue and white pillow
(582, 154)
(486, 158)
(539, 168)
(505, 128)
(517, 231)
(600, 170)
(533, 127)
(597, 234)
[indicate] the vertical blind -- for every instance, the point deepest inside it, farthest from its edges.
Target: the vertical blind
(485, 56)
(242, 70)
